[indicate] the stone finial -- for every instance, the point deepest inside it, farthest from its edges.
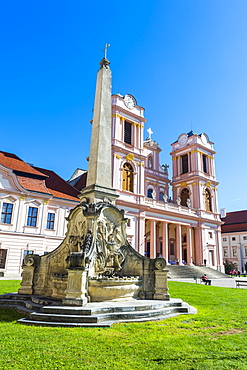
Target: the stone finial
(104, 63)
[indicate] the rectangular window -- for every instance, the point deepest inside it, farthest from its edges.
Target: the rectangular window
(245, 252)
(234, 252)
(32, 216)
(3, 256)
(6, 213)
(26, 252)
(127, 132)
(50, 221)
(245, 237)
(185, 163)
(224, 239)
(204, 163)
(233, 238)
(225, 252)
(210, 234)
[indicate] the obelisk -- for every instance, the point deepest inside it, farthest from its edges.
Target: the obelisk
(99, 176)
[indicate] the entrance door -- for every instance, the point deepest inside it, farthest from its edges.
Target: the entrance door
(211, 258)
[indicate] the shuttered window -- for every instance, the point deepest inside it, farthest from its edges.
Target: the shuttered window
(127, 132)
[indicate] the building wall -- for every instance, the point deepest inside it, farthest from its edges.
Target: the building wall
(16, 238)
(234, 246)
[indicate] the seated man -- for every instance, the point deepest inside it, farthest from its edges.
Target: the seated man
(206, 280)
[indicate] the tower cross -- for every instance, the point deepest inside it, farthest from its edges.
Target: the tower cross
(150, 132)
(105, 49)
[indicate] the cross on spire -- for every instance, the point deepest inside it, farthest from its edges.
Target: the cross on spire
(105, 49)
(150, 132)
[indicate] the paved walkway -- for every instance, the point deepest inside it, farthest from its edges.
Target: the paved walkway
(224, 283)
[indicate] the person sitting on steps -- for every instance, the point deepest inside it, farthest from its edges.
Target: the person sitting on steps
(206, 280)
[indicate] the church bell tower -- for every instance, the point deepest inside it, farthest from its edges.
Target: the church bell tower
(194, 181)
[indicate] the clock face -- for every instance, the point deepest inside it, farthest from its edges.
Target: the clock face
(182, 139)
(129, 101)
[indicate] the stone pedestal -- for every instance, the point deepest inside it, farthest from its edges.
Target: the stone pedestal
(76, 292)
(160, 285)
(27, 280)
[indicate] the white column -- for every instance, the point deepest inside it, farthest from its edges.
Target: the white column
(189, 245)
(178, 244)
(152, 239)
(140, 237)
(165, 241)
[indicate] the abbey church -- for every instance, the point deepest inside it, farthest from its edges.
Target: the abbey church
(182, 224)
(183, 227)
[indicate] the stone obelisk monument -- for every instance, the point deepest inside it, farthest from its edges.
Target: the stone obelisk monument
(99, 177)
(95, 262)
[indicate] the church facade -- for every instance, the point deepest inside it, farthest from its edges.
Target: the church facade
(184, 227)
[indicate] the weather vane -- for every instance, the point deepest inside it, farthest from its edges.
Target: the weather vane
(105, 49)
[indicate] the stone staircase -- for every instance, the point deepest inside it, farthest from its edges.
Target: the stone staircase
(50, 312)
(189, 272)
(25, 303)
(104, 314)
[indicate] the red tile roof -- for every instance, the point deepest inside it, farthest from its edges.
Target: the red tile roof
(38, 179)
(235, 221)
(57, 186)
(13, 162)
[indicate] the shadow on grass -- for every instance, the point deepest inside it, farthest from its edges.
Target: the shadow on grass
(10, 315)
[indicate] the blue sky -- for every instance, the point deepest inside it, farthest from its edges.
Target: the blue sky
(185, 62)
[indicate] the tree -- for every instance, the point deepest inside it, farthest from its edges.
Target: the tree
(230, 266)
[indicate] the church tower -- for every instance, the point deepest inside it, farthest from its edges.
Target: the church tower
(194, 182)
(194, 186)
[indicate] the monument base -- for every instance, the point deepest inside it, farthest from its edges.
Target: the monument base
(96, 193)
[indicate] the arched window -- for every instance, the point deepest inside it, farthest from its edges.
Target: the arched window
(208, 202)
(185, 195)
(150, 162)
(161, 196)
(127, 183)
(150, 193)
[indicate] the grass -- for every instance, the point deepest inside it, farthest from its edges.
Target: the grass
(214, 339)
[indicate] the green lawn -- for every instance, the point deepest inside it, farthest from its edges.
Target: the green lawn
(214, 339)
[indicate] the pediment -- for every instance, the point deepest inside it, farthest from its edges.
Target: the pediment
(9, 198)
(34, 202)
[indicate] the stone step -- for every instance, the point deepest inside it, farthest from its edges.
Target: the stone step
(105, 319)
(64, 324)
(30, 306)
(106, 316)
(189, 272)
(92, 311)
